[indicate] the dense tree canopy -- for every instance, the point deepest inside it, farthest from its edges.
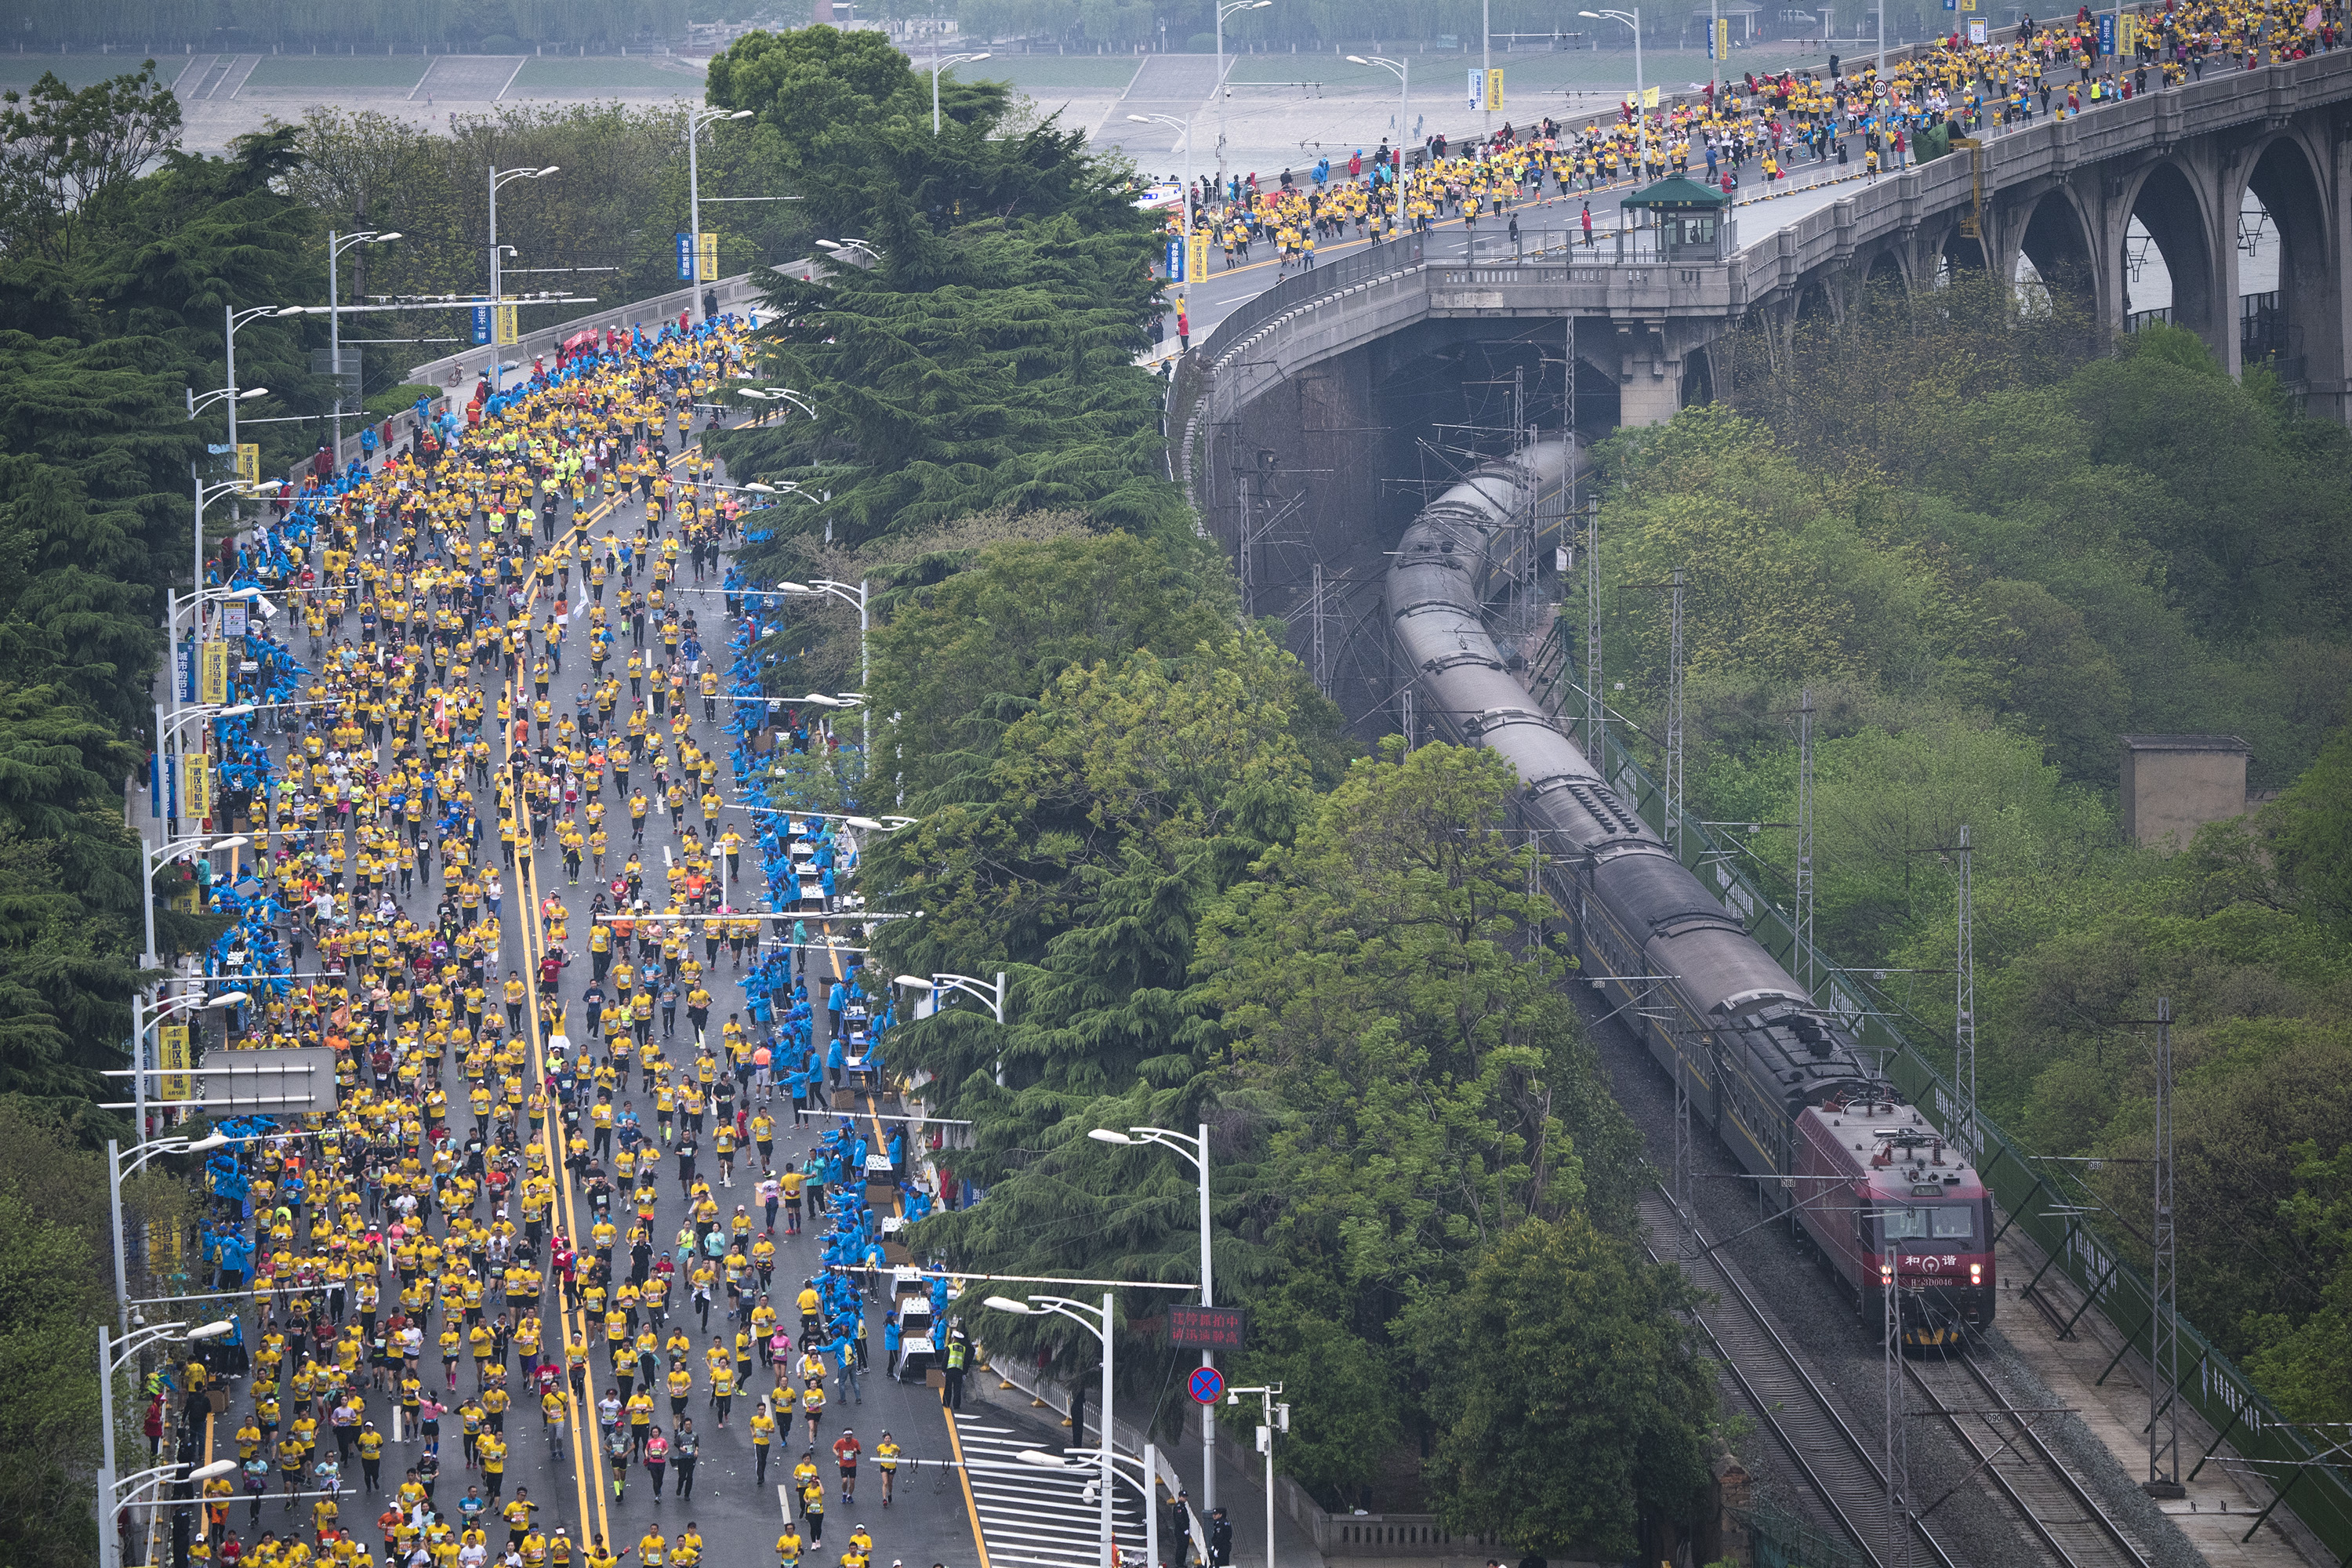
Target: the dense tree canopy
(1988, 548)
(1209, 917)
(976, 349)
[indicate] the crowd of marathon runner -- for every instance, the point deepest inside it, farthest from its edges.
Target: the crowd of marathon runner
(1763, 129)
(470, 1253)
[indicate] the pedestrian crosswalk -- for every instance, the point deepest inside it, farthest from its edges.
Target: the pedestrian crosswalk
(1035, 1517)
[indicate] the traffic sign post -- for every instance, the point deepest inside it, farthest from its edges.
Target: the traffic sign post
(1206, 1386)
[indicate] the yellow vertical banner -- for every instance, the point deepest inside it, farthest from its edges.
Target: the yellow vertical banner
(1649, 98)
(213, 677)
(504, 331)
(195, 786)
(1495, 88)
(248, 462)
(1197, 263)
(1723, 38)
(706, 259)
(171, 1056)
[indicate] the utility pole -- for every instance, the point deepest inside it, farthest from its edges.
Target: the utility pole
(1486, 63)
(1675, 780)
(1596, 711)
(1317, 665)
(1242, 542)
(1805, 834)
(2163, 1305)
(1964, 1009)
(1682, 1172)
(1898, 1451)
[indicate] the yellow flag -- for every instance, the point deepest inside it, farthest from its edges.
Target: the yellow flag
(1650, 98)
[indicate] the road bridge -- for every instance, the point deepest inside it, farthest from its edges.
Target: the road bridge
(1318, 414)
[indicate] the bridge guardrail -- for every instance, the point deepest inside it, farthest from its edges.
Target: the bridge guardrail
(1391, 256)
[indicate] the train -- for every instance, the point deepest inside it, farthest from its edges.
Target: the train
(1827, 1140)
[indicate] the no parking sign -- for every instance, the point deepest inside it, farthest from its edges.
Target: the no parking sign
(1206, 1386)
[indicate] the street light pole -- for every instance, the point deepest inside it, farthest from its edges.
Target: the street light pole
(498, 177)
(993, 999)
(112, 1354)
(1083, 1314)
(1183, 127)
(939, 65)
(860, 597)
(695, 122)
(1224, 9)
(1195, 1148)
(1641, 94)
(1275, 1414)
(1402, 70)
(336, 246)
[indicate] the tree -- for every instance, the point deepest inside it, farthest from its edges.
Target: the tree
(2313, 835)
(976, 350)
(1572, 1395)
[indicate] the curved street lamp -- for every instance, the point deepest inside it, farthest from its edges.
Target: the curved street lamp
(939, 65)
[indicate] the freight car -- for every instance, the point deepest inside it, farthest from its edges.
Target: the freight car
(1760, 1063)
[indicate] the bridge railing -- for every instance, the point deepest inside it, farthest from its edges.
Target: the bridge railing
(1384, 259)
(2317, 1490)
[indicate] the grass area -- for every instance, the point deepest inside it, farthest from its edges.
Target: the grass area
(316, 72)
(81, 70)
(594, 76)
(1038, 75)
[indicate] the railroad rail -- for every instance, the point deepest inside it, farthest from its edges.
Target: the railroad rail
(1829, 1456)
(2056, 1505)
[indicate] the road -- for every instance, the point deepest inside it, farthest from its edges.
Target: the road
(1547, 224)
(932, 1518)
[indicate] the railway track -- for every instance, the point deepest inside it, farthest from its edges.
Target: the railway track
(2056, 1506)
(1829, 1456)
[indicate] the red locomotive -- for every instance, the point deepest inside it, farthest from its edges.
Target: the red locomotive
(1873, 1177)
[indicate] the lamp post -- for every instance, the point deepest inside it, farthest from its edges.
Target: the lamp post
(695, 122)
(1193, 1146)
(844, 245)
(993, 997)
(231, 395)
(939, 65)
(1402, 70)
(1144, 1471)
(502, 177)
(1224, 9)
(1641, 96)
(142, 1015)
(336, 246)
(1184, 129)
(860, 597)
(120, 1163)
(197, 593)
(113, 1353)
(1278, 1417)
(1098, 1321)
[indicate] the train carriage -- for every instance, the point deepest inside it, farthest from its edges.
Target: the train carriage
(1770, 1073)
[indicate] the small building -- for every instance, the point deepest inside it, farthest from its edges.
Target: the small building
(1693, 221)
(2174, 784)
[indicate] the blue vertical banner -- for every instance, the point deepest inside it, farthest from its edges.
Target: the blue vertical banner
(481, 325)
(2107, 34)
(686, 258)
(1176, 258)
(185, 654)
